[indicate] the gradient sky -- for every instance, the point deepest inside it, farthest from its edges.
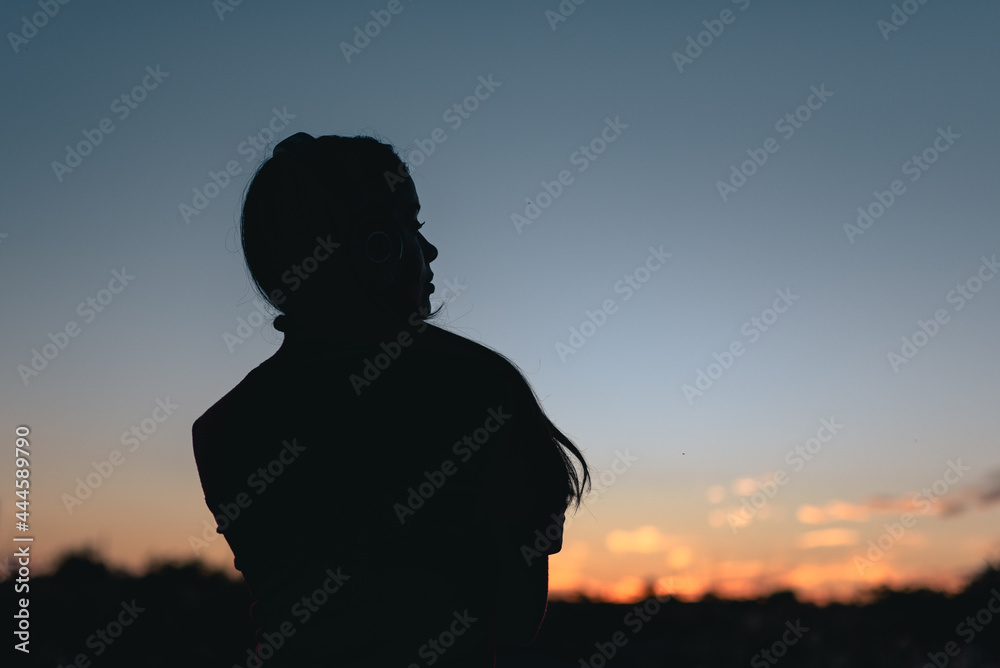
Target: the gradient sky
(669, 514)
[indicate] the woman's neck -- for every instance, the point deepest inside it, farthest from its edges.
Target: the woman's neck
(345, 327)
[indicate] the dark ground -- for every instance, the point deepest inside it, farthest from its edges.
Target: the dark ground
(194, 617)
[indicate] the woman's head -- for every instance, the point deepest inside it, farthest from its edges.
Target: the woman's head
(330, 224)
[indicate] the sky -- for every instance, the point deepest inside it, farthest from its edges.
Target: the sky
(743, 251)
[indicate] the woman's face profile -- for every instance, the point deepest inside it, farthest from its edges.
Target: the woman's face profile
(413, 275)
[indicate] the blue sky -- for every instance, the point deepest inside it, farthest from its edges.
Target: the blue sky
(678, 132)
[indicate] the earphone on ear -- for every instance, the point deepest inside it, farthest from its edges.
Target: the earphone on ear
(373, 241)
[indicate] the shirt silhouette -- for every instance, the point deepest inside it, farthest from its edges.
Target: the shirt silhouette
(411, 492)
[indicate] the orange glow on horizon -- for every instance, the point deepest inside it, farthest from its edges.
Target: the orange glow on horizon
(824, 583)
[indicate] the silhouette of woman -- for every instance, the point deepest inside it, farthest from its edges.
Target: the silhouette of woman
(391, 491)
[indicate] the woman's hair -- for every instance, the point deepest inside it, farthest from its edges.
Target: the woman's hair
(293, 203)
(576, 484)
(296, 204)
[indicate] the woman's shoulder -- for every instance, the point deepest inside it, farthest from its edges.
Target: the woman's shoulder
(475, 355)
(232, 409)
(445, 357)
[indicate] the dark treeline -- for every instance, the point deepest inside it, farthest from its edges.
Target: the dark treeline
(183, 614)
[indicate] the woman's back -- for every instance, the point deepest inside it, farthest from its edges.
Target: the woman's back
(370, 493)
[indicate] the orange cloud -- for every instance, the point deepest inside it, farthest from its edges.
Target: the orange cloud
(844, 511)
(679, 557)
(644, 540)
(726, 570)
(828, 538)
(940, 499)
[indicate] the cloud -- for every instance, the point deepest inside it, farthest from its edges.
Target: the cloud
(834, 511)
(716, 494)
(644, 540)
(828, 538)
(952, 503)
(680, 557)
(725, 570)
(982, 496)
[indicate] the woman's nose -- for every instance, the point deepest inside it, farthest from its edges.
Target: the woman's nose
(430, 250)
